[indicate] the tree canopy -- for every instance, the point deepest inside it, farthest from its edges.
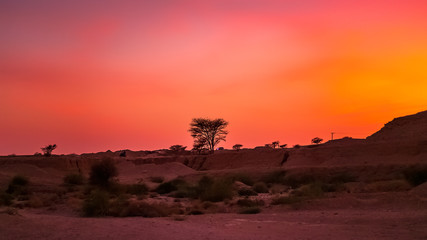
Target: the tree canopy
(208, 133)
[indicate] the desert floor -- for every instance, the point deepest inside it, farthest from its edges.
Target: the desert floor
(366, 216)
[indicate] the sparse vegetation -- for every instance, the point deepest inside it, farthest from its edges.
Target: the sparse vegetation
(74, 179)
(101, 173)
(96, 204)
(316, 140)
(215, 190)
(237, 147)
(47, 150)
(18, 186)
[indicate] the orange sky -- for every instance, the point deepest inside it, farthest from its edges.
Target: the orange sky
(132, 75)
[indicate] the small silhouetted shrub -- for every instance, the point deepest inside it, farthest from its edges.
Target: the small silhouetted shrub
(96, 204)
(246, 192)
(260, 187)
(416, 175)
(18, 185)
(215, 190)
(170, 186)
(102, 173)
(74, 179)
(312, 190)
(250, 210)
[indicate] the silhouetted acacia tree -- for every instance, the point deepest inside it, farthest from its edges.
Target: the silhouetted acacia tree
(47, 151)
(316, 140)
(237, 147)
(208, 132)
(283, 146)
(275, 144)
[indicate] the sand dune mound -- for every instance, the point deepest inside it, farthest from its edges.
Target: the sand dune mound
(407, 128)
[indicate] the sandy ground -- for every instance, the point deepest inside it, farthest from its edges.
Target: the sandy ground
(368, 216)
(306, 224)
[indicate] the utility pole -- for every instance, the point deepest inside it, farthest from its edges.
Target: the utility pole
(332, 135)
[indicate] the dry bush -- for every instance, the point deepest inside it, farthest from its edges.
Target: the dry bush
(96, 204)
(168, 187)
(103, 172)
(215, 190)
(18, 186)
(74, 179)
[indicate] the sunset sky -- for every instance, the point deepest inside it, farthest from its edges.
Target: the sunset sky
(132, 74)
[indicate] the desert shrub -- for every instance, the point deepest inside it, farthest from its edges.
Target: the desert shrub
(186, 191)
(96, 204)
(416, 175)
(18, 185)
(244, 178)
(274, 177)
(215, 190)
(101, 173)
(170, 186)
(285, 200)
(260, 187)
(119, 207)
(246, 192)
(74, 179)
(246, 202)
(250, 210)
(137, 189)
(157, 179)
(312, 190)
(5, 199)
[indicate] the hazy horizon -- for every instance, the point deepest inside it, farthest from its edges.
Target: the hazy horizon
(103, 75)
